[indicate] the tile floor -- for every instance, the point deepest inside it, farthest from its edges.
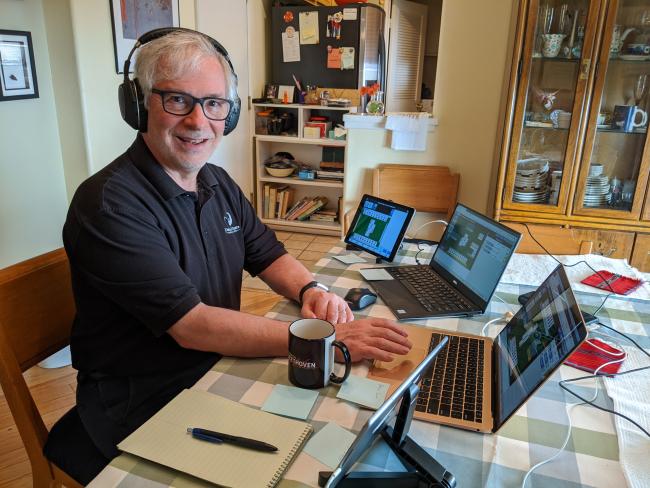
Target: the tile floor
(307, 248)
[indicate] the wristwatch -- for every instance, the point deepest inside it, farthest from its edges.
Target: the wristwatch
(311, 284)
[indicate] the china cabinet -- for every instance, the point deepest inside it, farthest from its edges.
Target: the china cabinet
(575, 151)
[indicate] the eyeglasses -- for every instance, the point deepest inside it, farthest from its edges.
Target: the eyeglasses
(179, 103)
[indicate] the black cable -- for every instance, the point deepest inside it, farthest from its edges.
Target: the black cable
(420, 249)
(609, 375)
(570, 265)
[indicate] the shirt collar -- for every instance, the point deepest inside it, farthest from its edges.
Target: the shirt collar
(145, 161)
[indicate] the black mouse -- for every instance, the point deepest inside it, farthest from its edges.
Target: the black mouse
(360, 298)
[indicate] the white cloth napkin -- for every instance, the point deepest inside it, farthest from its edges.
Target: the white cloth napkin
(533, 269)
(409, 131)
(630, 394)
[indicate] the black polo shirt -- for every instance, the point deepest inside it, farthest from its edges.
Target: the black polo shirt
(143, 252)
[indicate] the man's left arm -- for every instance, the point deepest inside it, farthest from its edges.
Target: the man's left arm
(287, 276)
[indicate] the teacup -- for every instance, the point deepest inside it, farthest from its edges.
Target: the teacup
(552, 44)
(638, 49)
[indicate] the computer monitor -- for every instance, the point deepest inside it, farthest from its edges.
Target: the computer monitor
(379, 226)
(382, 416)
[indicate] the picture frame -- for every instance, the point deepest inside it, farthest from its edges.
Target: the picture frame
(132, 18)
(17, 69)
(288, 90)
(270, 91)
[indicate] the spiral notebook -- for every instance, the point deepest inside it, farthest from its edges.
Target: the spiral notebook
(164, 440)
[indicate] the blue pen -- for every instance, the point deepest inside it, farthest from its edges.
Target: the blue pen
(220, 437)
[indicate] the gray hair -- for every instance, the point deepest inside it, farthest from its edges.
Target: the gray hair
(174, 55)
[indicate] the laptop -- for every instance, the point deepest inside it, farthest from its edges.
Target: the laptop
(478, 383)
(463, 273)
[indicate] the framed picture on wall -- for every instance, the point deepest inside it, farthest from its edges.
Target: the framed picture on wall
(132, 18)
(17, 71)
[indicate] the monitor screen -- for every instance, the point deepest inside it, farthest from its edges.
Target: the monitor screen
(379, 226)
(543, 333)
(475, 250)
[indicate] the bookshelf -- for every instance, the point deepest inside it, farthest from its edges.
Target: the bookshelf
(306, 150)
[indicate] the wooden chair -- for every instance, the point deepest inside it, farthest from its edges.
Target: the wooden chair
(36, 313)
(557, 240)
(426, 188)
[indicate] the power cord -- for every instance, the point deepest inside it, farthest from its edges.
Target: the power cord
(563, 383)
(570, 424)
(419, 243)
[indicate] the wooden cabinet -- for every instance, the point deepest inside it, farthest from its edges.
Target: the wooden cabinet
(575, 155)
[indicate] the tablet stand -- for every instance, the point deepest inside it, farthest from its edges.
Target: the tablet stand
(421, 469)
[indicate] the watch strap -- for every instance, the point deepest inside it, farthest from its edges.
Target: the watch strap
(311, 284)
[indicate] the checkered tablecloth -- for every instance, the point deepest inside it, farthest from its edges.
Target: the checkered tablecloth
(531, 435)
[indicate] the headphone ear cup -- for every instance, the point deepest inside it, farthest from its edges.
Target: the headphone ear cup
(132, 105)
(233, 117)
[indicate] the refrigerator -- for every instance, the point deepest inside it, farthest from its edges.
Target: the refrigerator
(362, 28)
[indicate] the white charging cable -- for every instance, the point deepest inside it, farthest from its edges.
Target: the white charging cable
(572, 406)
(425, 224)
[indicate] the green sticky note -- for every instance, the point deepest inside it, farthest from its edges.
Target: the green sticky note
(290, 401)
(330, 444)
(369, 393)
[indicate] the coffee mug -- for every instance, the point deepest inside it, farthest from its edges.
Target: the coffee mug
(625, 117)
(311, 354)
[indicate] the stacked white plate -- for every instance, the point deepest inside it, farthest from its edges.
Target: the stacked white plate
(531, 181)
(597, 191)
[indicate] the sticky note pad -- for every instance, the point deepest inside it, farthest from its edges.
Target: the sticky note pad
(330, 444)
(290, 401)
(375, 274)
(366, 392)
(349, 258)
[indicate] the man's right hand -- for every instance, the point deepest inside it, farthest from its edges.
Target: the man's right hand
(373, 338)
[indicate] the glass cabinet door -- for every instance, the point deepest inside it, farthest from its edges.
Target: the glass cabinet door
(554, 69)
(614, 170)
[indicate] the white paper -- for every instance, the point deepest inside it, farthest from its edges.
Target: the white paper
(349, 258)
(290, 48)
(308, 22)
(347, 58)
(349, 14)
(375, 274)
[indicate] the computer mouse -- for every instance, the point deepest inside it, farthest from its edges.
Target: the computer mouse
(360, 298)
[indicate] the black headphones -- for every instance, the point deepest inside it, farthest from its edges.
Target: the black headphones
(131, 97)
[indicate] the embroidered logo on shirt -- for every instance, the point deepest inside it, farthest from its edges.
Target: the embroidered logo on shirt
(230, 229)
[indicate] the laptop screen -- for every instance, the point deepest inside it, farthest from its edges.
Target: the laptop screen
(379, 226)
(475, 250)
(543, 333)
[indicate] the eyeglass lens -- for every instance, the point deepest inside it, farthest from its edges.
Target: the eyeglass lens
(182, 104)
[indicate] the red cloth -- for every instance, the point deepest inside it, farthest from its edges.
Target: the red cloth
(607, 281)
(588, 357)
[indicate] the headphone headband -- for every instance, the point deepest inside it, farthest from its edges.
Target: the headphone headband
(130, 94)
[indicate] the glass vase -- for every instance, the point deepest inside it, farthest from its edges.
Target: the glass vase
(376, 104)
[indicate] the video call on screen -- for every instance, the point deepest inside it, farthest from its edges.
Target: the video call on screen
(378, 227)
(475, 251)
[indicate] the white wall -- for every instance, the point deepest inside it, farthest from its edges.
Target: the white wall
(225, 20)
(33, 199)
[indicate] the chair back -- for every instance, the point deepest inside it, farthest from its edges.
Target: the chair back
(36, 313)
(426, 188)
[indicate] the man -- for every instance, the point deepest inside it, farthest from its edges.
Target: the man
(157, 242)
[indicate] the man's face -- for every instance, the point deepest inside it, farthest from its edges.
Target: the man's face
(183, 143)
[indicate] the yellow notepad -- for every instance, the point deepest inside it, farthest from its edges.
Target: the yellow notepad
(164, 440)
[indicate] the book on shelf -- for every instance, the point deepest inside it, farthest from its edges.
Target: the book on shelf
(317, 204)
(274, 196)
(324, 216)
(331, 165)
(329, 175)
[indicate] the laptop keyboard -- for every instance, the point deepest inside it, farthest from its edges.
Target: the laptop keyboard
(453, 386)
(433, 293)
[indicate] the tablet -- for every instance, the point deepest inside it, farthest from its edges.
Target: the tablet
(378, 226)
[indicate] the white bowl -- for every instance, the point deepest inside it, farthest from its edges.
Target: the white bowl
(279, 172)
